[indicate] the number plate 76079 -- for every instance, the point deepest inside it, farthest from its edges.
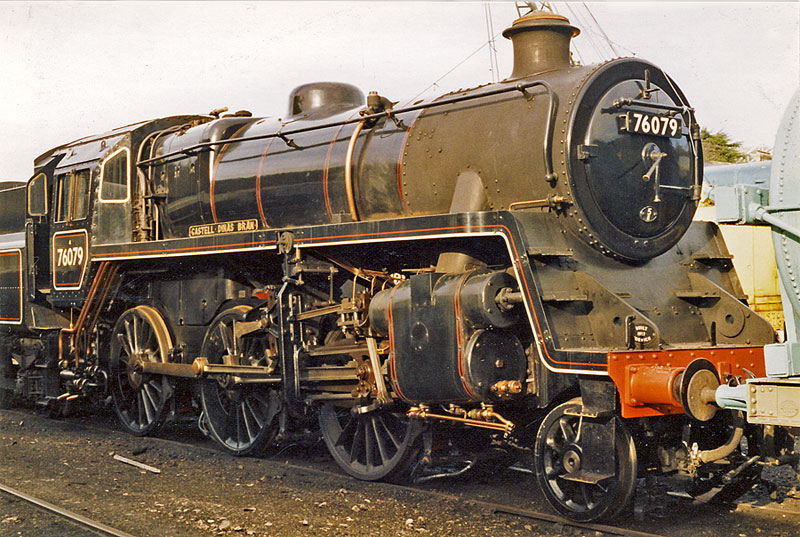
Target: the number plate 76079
(652, 124)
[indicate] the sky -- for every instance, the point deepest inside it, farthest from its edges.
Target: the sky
(72, 69)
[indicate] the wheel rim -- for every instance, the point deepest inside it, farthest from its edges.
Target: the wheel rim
(140, 335)
(241, 419)
(558, 453)
(376, 445)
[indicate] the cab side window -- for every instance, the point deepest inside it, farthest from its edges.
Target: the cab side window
(80, 198)
(37, 195)
(64, 197)
(115, 178)
(72, 200)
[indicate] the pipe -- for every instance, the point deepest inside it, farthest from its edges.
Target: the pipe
(482, 415)
(728, 447)
(348, 170)
(762, 214)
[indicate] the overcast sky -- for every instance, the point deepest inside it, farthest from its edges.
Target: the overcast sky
(70, 69)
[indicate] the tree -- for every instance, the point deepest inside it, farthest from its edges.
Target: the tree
(719, 147)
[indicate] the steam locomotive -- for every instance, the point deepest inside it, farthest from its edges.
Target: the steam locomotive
(515, 262)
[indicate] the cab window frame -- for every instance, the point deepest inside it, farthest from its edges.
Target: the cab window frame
(39, 193)
(127, 183)
(73, 179)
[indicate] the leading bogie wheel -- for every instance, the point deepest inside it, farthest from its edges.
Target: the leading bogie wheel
(379, 444)
(557, 449)
(241, 418)
(140, 399)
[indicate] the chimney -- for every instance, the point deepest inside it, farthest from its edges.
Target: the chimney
(541, 43)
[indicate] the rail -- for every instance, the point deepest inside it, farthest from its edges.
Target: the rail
(69, 515)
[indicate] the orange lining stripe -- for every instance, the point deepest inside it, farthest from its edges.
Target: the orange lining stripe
(392, 369)
(459, 340)
(214, 171)
(258, 183)
(325, 173)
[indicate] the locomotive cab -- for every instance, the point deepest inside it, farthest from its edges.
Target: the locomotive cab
(84, 194)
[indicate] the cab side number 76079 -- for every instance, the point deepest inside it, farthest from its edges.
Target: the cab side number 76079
(67, 257)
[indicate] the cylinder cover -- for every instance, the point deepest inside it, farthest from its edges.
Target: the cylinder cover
(440, 350)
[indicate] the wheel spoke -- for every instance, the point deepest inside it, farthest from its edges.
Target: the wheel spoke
(129, 334)
(136, 333)
(587, 501)
(356, 448)
(380, 439)
(247, 425)
(140, 409)
(347, 432)
(224, 401)
(149, 403)
(126, 348)
(254, 413)
(155, 385)
(238, 417)
(552, 443)
(566, 430)
(369, 444)
(150, 343)
(390, 434)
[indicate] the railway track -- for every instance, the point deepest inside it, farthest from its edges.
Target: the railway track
(93, 526)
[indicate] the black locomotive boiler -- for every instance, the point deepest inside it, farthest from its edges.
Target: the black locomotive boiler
(518, 253)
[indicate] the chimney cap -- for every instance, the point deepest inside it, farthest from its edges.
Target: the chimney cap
(541, 19)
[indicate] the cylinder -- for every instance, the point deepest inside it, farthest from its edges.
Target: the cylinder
(479, 304)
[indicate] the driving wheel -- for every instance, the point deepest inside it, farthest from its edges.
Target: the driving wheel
(140, 399)
(241, 418)
(379, 444)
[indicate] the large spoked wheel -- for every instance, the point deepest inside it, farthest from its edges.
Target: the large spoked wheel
(241, 418)
(380, 444)
(557, 450)
(140, 335)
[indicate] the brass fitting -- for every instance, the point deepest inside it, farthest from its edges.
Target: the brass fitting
(506, 388)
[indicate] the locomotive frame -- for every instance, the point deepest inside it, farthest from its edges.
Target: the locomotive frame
(279, 270)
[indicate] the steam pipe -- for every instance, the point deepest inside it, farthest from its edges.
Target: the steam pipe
(348, 170)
